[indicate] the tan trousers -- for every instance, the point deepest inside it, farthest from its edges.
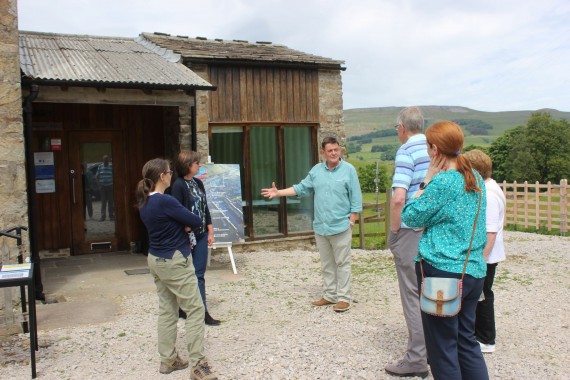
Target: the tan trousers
(177, 286)
(336, 265)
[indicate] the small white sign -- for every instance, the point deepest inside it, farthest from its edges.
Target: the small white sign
(45, 186)
(11, 275)
(43, 158)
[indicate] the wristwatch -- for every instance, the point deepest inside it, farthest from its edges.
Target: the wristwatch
(423, 185)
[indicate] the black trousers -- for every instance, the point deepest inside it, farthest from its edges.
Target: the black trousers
(452, 350)
(485, 320)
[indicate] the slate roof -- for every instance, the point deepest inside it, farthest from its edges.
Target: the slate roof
(80, 60)
(207, 50)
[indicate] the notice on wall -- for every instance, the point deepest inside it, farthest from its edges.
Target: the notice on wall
(55, 144)
(44, 165)
(44, 170)
(223, 189)
(44, 186)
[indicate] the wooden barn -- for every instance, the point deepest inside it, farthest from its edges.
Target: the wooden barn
(272, 107)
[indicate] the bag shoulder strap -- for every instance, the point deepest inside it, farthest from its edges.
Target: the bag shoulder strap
(472, 234)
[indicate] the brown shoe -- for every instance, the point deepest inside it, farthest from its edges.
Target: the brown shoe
(174, 365)
(203, 371)
(322, 302)
(341, 306)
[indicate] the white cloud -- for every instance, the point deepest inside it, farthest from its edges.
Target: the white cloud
(488, 55)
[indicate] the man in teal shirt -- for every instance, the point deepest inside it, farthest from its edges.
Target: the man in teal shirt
(338, 200)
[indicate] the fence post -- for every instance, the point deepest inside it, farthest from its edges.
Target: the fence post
(563, 206)
(537, 204)
(515, 204)
(504, 187)
(525, 199)
(549, 206)
(387, 211)
(361, 224)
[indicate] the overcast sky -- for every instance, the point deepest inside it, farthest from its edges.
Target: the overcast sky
(489, 55)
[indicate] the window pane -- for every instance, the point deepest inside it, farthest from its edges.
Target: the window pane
(263, 148)
(227, 148)
(298, 162)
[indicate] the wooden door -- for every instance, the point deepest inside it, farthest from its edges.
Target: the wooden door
(96, 165)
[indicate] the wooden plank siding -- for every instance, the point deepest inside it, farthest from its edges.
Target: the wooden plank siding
(263, 94)
(141, 131)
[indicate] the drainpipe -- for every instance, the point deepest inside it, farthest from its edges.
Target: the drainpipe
(193, 129)
(30, 179)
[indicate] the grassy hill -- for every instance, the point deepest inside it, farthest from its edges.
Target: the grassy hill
(361, 121)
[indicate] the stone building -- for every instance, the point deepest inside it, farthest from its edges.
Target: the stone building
(68, 101)
(13, 191)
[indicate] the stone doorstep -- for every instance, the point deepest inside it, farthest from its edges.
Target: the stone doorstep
(297, 242)
(55, 253)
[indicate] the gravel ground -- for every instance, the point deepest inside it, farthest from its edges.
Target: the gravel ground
(270, 330)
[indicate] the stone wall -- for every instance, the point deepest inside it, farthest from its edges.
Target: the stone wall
(185, 134)
(330, 106)
(13, 197)
(202, 113)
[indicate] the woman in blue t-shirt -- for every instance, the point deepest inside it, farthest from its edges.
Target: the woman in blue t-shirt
(173, 272)
(446, 206)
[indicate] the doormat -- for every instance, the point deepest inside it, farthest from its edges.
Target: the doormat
(130, 272)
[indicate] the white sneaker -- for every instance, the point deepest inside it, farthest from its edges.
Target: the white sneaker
(487, 348)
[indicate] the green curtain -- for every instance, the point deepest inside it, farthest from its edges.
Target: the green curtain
(298, 162)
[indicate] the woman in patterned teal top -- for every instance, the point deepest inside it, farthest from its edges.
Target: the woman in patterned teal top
(446, 206)
(448, 211)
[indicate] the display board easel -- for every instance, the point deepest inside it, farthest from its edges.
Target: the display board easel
(223, 190)
(227, 245)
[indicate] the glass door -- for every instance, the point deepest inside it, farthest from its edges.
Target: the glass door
(95, 163)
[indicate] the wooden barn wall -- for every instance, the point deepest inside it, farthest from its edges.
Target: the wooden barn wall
(261, 94)
(142, 132)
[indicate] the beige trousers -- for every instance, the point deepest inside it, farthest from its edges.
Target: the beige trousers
(336, 265)
(177, 286)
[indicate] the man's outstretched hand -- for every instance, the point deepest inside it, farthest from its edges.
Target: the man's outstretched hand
(270, 193)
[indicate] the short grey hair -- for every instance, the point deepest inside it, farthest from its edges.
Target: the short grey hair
(412, 119)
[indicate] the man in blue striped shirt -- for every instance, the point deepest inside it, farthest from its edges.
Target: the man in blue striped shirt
(410, 168)
(338, 200)
(104, 179)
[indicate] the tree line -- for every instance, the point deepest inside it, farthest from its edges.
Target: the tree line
(538, 151)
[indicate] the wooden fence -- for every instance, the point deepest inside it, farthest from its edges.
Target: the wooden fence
(374, 214)
(538, 205)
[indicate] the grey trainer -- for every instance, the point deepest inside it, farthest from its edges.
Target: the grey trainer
(402, 368)
(203, 371)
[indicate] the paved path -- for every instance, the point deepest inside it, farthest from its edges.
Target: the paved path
(88, 288)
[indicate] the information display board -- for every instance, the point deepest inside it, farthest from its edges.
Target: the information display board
(223, 189)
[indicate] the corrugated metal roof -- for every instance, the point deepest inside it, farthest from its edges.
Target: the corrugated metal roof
(92, 60)
(217, 49)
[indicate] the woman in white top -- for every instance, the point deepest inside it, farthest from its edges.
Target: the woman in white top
(494, 251)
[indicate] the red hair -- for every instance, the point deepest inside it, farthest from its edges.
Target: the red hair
(449, 138)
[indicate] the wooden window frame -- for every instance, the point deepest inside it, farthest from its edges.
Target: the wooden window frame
(246, 159)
